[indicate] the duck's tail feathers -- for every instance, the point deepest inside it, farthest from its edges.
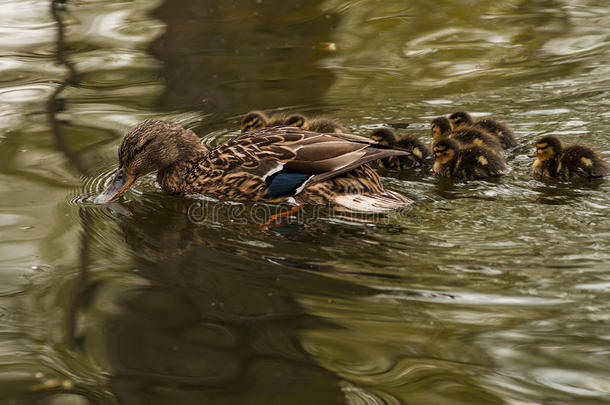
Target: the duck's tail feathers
(379, 202)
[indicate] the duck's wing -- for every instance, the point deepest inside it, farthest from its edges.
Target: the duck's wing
(289, 159)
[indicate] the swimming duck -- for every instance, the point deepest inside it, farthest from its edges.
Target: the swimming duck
(555, 160)
(253, 120)
(441, 128)
(297, 120)
(421, 155)
(258, 119)
(466, 162)
(321, 125)
(272, 164)
(325, 125)
(506, 136)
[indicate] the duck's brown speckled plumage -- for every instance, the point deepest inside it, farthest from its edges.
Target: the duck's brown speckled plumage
(243, 168)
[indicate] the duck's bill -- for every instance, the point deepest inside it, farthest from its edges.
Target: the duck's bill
(119, 184)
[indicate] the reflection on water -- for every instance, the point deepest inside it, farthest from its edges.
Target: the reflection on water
(485, 292)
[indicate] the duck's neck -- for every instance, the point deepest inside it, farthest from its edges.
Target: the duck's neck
(445, 169)
(177, 178)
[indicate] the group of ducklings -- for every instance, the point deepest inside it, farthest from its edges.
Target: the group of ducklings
(258, 119)
(462, 148)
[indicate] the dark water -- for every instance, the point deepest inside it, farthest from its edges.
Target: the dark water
(483, 293)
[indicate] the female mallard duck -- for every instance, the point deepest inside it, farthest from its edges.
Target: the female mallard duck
(441, 128)
(506, 136)
(421, 155)
(258, 119)
(321, 124)
(274, 165)
(555, 160)
(466, 162)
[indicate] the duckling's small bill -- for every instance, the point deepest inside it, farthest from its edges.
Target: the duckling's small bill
(118, 185)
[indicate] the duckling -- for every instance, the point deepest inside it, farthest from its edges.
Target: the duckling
(321, 125)
(500, 130)
(327, 126)
(258, 119)
(555, 160)
(276, 120)
(442, 128)
(466, 162)
(297, 120)
(253, 120)
(421, 155)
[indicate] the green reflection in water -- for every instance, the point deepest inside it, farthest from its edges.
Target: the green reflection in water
(483, 293)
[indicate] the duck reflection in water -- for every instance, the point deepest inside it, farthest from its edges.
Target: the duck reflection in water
(213, 323)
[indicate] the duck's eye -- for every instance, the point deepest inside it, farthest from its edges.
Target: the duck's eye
(141, 147)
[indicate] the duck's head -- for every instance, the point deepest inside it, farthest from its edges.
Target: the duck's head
(548, 148)
(441, 127)
(151, 145)
(297, 120)
(445, 150)
(384, 136)
(253, 120)
(460, 119)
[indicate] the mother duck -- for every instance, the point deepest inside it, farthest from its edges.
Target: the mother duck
(273, 165)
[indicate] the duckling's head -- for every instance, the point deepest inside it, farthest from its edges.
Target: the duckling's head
(253, 120)
(441, 127)
(151, 145)
(384, 136)
(296, 120)
(460, 119)
(548, 148)
(445, 150)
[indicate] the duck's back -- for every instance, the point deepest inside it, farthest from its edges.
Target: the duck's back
(278, 163)
(580, 160)
(478, 162)
(477, 137)
(420, 152)
(503, 132)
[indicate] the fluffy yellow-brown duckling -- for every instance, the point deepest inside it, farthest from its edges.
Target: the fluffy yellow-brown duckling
(506, 136)
(253, 120)
(441, 128)
(466, 162)
(321, 124)
(276, 120)
(421, 155)
(555, 160)
(258, 119)
(327, 126)
(297, 120)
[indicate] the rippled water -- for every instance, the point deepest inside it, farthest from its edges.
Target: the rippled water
(483, 292)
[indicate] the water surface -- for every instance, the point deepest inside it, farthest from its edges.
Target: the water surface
(483, 292)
